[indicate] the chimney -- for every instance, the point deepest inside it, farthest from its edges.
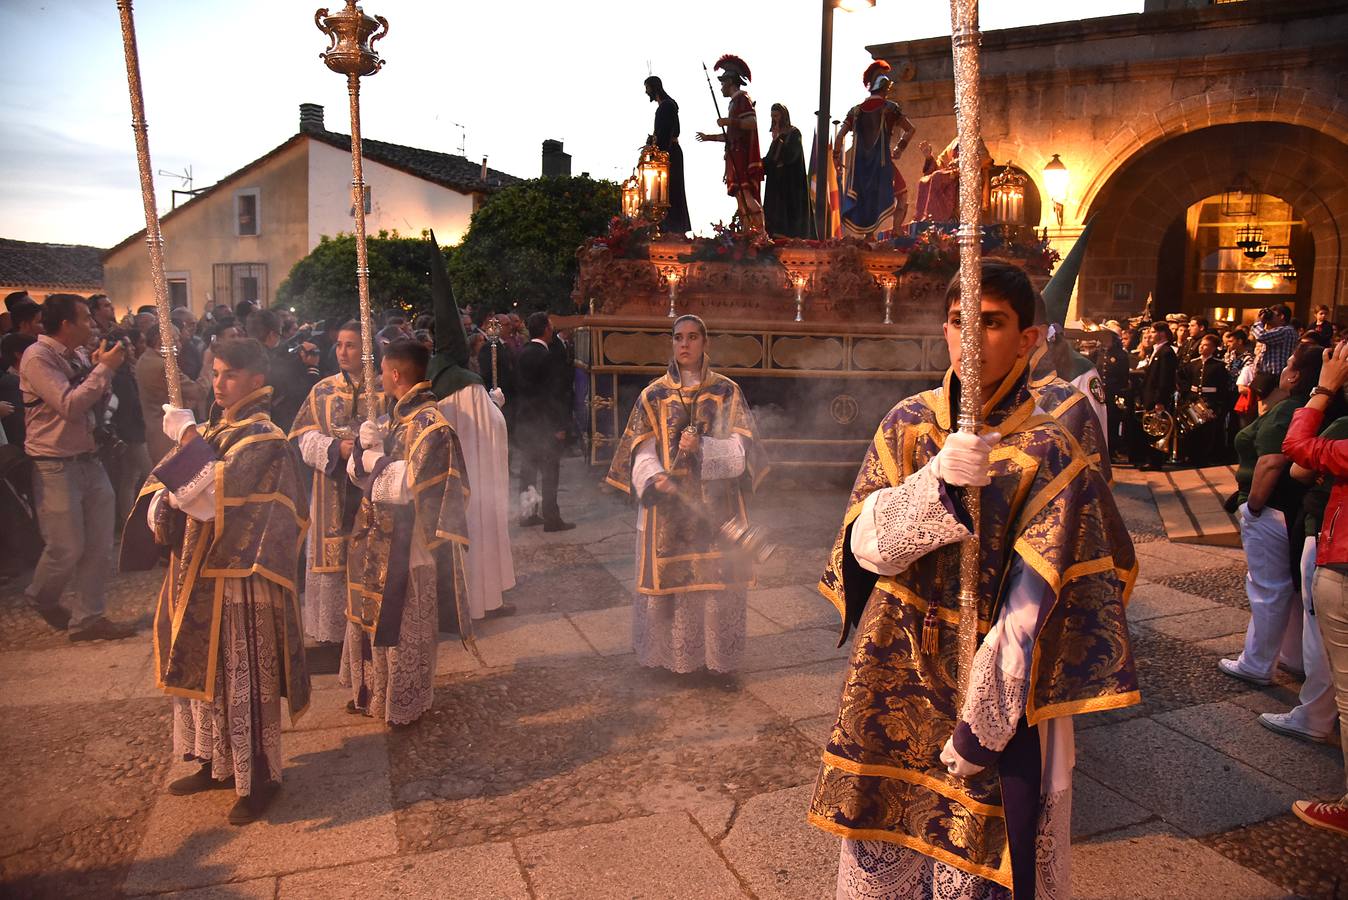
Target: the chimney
(311, 117)
(555, 160)
(483, 176)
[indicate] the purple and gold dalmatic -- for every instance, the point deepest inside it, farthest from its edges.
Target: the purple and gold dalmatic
(335, 407)
(381, 538)
(679, 552)
(882, 778)
(258, 530)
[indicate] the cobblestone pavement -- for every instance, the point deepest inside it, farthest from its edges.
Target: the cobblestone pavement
(562, 769)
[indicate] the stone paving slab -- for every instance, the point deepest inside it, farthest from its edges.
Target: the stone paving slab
(790, 649)
(795, 607)
(1097, 809)
(804, 692)
(1228, 645)
(1205, 624)
(818, 729)
(539, 640)
(1151, 600)
(509, 753)
(777, 853)
(608, 631)
(663, 857)
(333, 808)
(1190, 785)
(1153, 862)
(1314, 770)
(487, 870)
(1162, 558)
(254, 889)
(100, 670)
(80, 781)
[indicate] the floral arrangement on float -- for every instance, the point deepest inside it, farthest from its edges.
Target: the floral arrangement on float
(627, 238)
(935, 250)
(731, 246)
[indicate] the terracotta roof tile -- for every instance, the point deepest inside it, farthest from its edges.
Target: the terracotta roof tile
(72, 266)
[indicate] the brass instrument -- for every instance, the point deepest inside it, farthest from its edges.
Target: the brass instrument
(1196, 414)
(1159, 425)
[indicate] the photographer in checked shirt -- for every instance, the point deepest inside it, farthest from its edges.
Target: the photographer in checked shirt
(61, 387)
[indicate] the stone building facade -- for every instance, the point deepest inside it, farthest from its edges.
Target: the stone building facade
(1154, 114)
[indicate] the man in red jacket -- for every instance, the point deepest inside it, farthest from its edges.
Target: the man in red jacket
(1330, 587)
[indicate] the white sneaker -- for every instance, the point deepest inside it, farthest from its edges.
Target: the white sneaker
(1283, 723)
(1232, 667)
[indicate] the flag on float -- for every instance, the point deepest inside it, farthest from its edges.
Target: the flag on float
(834, 190)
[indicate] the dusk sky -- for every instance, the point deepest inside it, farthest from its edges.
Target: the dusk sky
(223, 82)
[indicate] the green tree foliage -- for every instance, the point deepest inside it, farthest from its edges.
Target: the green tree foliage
(323, 284)
(521, 246)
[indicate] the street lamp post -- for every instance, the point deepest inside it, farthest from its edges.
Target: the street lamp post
(821, 142)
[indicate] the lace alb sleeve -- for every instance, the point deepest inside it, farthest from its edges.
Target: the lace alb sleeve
(899, 525)
(390, 486)
(999, 680)
(314, 449)
(722, 458)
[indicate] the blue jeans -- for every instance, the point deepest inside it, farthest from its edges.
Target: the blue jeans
(75, 508)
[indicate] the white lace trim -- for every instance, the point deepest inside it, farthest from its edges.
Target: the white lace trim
(1053, 847)
(911, 521)
(198, 483)
(996, 700)
(391, 485)
(880, 870)
(314, 449)
(722, 458)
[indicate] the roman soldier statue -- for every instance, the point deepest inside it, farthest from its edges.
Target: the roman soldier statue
(743, 163)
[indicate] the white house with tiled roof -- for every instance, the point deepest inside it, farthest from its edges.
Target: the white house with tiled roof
(238, 239)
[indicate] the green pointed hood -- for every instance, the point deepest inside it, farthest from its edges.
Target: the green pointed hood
(1061, 357)
(448, 371)
(1058, 292)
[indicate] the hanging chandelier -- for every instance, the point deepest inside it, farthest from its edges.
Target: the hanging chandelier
(1249, 237)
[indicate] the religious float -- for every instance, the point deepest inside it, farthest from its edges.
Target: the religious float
(822, 336)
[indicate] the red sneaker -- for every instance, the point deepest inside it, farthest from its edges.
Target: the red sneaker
(1329, 816)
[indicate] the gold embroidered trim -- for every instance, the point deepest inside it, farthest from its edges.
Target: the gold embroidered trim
(833, 761)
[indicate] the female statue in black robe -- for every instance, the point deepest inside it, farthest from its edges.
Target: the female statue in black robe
(786, 199)
(666, 137)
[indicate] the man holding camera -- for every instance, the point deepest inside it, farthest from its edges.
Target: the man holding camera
(75, 500)
(1275, 338)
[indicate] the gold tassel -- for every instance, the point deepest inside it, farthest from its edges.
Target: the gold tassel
(931, 635)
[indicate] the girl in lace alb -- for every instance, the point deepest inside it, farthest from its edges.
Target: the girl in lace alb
(690, 454)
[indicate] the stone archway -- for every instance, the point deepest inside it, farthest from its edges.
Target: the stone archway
(1306, 168)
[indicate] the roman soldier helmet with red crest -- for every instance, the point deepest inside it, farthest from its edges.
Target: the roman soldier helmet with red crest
(735, 69)
(875, 77)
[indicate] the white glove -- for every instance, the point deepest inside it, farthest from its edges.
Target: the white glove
(176, 421)
(371, 435)
(963, 461)
(954, 763)
(497, 396)
(368, 458)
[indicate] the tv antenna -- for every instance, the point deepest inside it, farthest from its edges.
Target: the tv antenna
(185, 177)
(463, 137)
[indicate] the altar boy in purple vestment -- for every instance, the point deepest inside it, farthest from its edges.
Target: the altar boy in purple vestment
(934, 797)
(228, 645)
